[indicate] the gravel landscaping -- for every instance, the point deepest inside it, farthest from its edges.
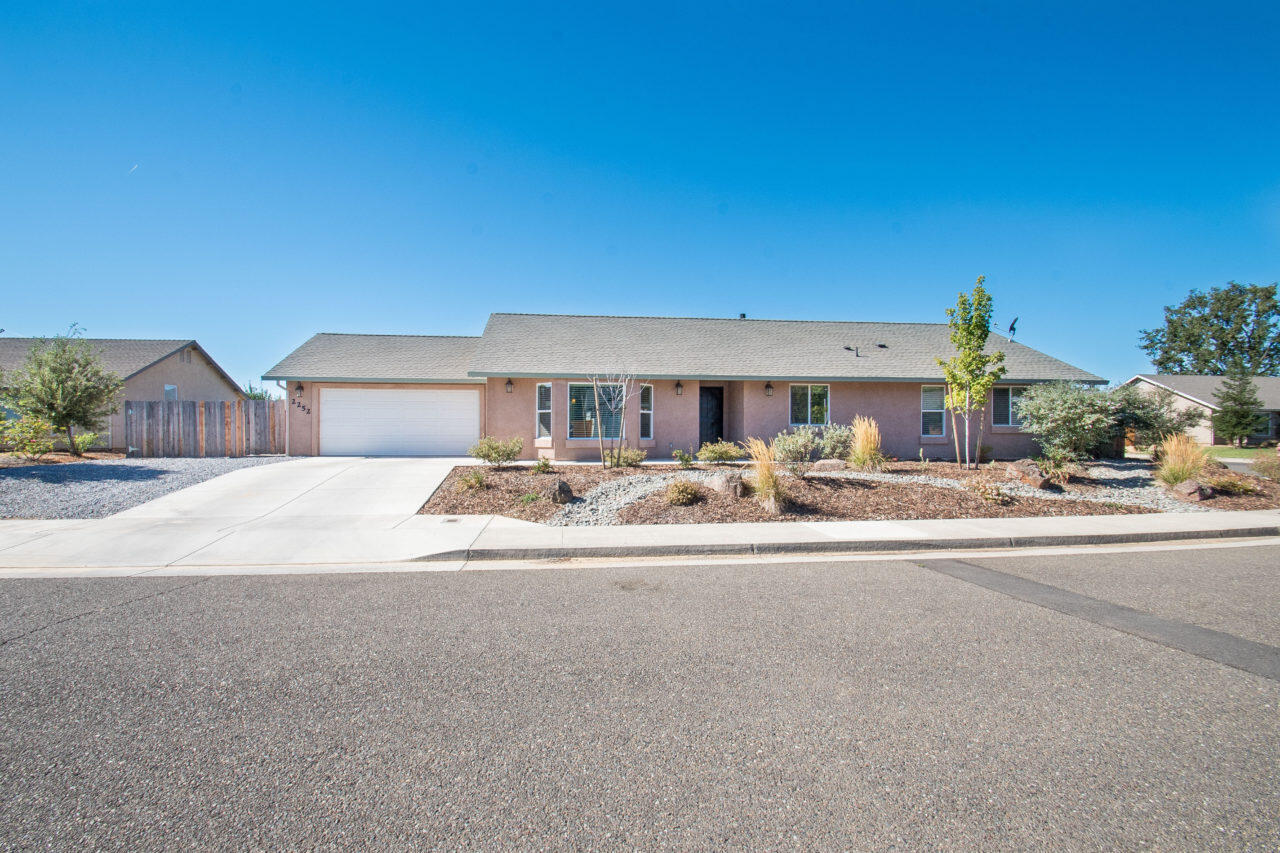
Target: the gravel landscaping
(98, 488)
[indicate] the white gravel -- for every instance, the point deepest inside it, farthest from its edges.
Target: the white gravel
(101, 487)
(602, 504)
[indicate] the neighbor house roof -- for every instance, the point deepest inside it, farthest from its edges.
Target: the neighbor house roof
(556, 345)
(1199, 387)
(125, 357)
(378, 358)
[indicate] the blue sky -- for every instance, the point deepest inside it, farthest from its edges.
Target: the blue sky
(387, 168)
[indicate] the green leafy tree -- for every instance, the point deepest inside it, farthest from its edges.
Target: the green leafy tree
(1069, 421)
(1211, 332)
(1238, 415)
(1149, 417)
(64, 382)
(256, 392)
(972, 371)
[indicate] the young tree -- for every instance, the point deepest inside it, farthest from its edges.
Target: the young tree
(1211, 332)
(63, 382)
(1237, 417)
(972, 371)
(612, 392)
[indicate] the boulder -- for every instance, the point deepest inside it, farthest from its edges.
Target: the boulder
(1026, 471)
(728, 483)
(558, 492)
(1192, 490)
(829, 465)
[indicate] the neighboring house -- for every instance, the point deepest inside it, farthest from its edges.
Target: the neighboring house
(698, 380)
(151, 370)
(1195, 391)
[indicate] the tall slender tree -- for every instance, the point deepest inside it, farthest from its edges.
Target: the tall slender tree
(972, 371)
(1238, 415)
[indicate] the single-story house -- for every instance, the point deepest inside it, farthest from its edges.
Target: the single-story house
(1195, 391)
(151, 370)
(696, 380)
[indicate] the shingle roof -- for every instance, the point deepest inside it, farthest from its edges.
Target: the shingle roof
(378, 358)
(122, 356)
(674, 347)
(1200, 387)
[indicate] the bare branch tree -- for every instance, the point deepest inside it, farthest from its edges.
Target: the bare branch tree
(612, 393)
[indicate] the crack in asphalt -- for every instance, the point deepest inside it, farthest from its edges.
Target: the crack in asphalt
(4, 641)
(1218, 646)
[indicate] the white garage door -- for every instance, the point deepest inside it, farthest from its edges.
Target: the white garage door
(392, 422)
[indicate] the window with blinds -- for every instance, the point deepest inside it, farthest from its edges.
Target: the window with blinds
(933, 400)
(585, 421)
(646, 411)
(544, 410)
(1004, 406)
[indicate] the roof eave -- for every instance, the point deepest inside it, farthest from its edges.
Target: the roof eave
(281, 377)
(493, 374)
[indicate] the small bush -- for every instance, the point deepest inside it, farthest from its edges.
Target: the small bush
(495, 451)
(795, 449)
(924, 463)
(542, 466)
(991, 493)
(1234, 486)
(719, 452)
(1057, 470)
(1268, 467)
(1181, 459)
(837, 442)
(84, 441)
(682, 493)
(683, 458)
(865, 454)
(625, 457)
(530, 497)
(28, 436)
(471, 480)
(768, 485)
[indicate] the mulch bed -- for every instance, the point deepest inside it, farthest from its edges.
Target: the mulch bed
(505, 488)
(8, 460)
(1267, 493)
(817, 498)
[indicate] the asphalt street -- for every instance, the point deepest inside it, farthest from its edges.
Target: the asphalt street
(993, 703)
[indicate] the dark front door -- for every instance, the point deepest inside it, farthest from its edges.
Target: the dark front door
(710, 415)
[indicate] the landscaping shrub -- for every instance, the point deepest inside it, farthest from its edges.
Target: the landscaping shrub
(542, 466)
(1181, 459)
(865, 453)
(1148, 418)
(795, 449)
(719, 452)
(768, 485)
(683, 457)
(529, 497)
(682, 493)
(837, 441)
(924, 463)
(625, 457)
(991, 493)
(28, 436)
(1068, 420)
(495, 451)
(471, 480)
(1268, 467)
(1233, 486)
(84, 441)
(1058, 471)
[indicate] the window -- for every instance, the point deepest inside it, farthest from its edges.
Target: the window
(585, 421)
(646, 411)
(1004, 406)
(809, 404)
(544, 410)
(933, 402)
(170, 392)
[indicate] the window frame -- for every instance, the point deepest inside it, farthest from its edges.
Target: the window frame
(568, 430)
(1020, 389)
(808, 403)
(167, 399)
(644, 411)
(942, 411)
(538, 411)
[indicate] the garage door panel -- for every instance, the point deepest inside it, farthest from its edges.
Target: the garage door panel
(398, 422)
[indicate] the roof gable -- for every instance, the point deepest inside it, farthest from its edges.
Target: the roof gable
(378, 358)
(125, 357)
(1199, 387)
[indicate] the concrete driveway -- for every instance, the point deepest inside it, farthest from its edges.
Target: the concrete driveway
(306, 510)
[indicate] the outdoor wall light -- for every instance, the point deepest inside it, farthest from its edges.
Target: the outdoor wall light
(298, 392)
(768, 389)
(679, 388)
(509, 386)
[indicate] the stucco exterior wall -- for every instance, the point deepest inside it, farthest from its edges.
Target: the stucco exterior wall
(1203, 433)
(196, 379)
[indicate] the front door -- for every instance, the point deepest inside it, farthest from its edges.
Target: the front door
(710, 415)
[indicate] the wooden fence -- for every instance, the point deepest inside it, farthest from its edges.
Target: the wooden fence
(194, 428)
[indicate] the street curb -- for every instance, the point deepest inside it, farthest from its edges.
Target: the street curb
(819, 546)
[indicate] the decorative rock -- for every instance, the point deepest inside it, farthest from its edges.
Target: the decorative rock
(829, 465)
(729, 483)
(1026, 471)
(1192, 490)
(559, 492)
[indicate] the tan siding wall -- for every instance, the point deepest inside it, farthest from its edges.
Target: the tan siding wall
(1203, 434)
